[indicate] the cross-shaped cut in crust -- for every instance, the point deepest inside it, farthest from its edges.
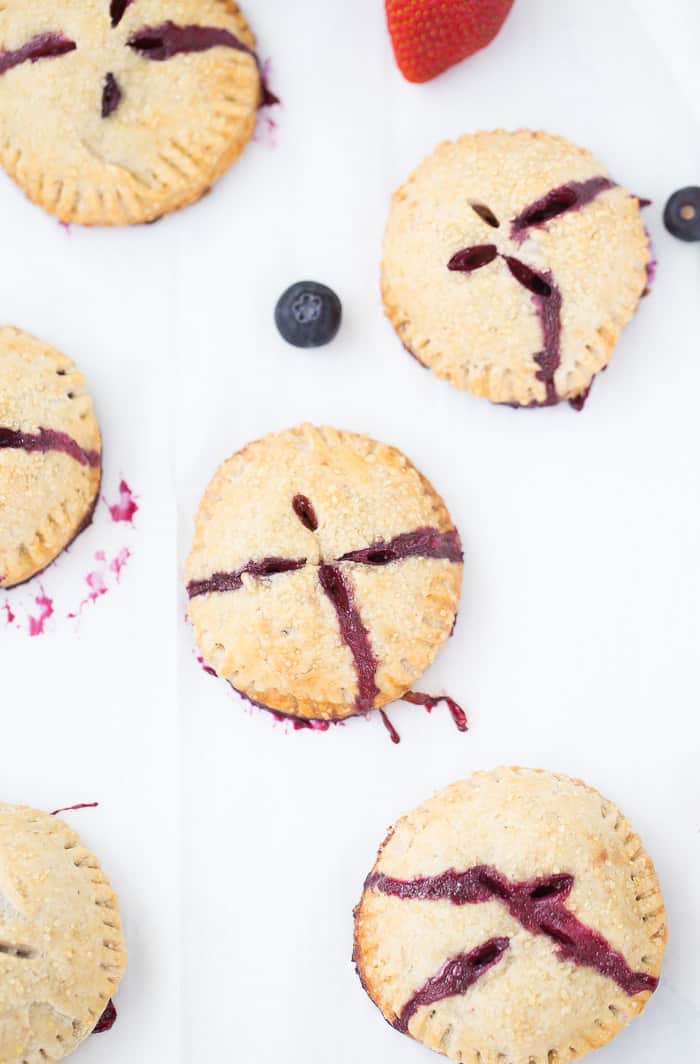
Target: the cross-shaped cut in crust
(545, 294)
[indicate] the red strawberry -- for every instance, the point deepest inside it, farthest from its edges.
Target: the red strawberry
(431, 35)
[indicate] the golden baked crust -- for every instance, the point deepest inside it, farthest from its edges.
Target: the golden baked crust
(180, 123)
(527, 825)
(62, 952)
(46, 496)
(278, 638)
(480, 330)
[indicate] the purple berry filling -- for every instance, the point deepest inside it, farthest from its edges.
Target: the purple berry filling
(219, 582)
(454, 978)
(319, 724)
(267, 98)
(168, 39)
(579, 401)
(305, 512)
(549, 359)
(393, 734)
(545, 296)
(48, 440)
(111, 96)
(486, 215)
(73, 808)
(416, 698)
(559, 201)
(45, 46)
(547, 300)
(474, 258)
(421, 543)
(537, 905)
(524, 275)
(117, 9)
(107, 1019)
(353, 633)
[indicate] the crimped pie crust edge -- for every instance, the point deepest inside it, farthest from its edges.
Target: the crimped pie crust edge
(65, 521)
(112, 956)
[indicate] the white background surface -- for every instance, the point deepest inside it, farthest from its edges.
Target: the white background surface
(239, 847)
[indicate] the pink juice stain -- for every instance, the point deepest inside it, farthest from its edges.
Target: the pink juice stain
(312, 725)
(66, 227)
(266, 127)
(270, 99)
(9, 615)
(45, 604)
(265, 130)
(300, 723)
(96, 582)
(97, 579)
(126, 507)
(119, 561)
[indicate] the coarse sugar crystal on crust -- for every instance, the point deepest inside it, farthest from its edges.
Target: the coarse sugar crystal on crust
(512, 262)
(50, 455)
(115, 112)
(324, 574)
(62, 951)
(515, 918)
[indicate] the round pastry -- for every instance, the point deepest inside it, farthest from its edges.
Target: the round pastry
(512, 261)
(119, 112)
(514, 917)
(62, 952)
(50, 460)
(324, 575)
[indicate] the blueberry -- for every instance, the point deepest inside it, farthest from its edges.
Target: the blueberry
(308, 314)
(682, 214)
